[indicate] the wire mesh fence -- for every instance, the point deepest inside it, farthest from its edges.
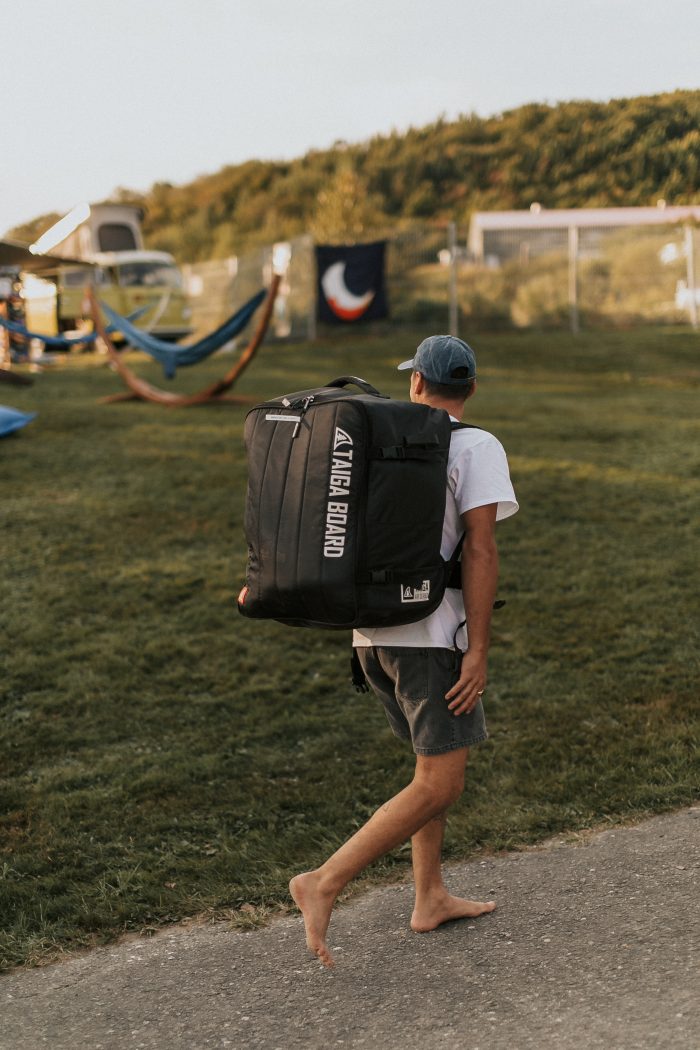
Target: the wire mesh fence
(591, 277)
(219, 287)
(586, 277)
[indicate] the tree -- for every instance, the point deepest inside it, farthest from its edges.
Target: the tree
(345, 210)
(28, 232)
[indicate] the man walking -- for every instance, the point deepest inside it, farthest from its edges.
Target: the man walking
(430, 675)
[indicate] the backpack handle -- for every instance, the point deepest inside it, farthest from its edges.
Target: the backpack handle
(367, 387)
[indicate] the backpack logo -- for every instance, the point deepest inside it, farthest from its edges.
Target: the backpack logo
(341, 438)
(339, 496)
(416, 594)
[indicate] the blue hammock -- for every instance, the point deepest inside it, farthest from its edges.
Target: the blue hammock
(173, 357)
(62, 341)
(12, 419)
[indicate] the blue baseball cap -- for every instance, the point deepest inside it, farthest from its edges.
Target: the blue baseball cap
(443, 359)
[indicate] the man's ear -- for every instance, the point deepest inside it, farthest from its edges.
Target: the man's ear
(418, 383)
(472, 391)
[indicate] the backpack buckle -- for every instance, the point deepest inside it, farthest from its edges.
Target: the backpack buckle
(392, 452)
(378, 576)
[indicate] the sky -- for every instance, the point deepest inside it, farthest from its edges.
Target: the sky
(99, 95)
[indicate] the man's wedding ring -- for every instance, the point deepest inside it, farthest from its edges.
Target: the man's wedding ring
(480, 693)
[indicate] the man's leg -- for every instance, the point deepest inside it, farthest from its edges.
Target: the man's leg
(437, 783)
(434, 905)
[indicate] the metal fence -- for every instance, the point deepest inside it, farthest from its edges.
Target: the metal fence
(588, 277)
(215, 289)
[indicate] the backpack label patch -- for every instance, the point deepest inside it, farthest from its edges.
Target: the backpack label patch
(416, 594)
(339, 495)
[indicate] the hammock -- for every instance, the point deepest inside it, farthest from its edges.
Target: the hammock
(50, 340)
(173, 357)
(62, 341)
(214, 393)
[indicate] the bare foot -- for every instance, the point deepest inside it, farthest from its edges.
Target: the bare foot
(446, 908)
(316, 907)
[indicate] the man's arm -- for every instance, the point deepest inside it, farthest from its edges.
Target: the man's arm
(479, 580)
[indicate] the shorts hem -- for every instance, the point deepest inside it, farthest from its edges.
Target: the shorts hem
(451, 747)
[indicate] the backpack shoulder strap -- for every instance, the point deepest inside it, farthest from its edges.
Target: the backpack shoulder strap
(454, 569)
(464, 426)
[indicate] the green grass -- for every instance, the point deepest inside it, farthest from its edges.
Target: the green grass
(161, 757)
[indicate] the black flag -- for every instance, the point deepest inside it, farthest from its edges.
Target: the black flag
(351, 282)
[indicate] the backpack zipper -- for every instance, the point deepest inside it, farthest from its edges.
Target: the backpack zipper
(304, 405)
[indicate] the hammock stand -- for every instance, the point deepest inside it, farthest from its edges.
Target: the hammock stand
(6, 375)
(215, 393)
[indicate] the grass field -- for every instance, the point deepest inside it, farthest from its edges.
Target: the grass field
(161, 757)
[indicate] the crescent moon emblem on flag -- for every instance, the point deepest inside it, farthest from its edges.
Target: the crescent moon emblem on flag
(341, 300)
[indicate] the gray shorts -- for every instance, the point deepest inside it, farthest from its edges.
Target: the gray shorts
(411, 683)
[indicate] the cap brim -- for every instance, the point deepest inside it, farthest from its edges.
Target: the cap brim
(405, 364)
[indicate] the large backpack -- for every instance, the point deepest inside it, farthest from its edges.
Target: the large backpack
(345, 508)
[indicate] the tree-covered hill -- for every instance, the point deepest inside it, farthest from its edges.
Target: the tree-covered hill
(573, 154)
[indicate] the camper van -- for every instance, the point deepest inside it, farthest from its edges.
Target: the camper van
(127, 281)
(103, 246)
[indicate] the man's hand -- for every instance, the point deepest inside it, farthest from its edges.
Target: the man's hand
(479, 578)
(465, 694)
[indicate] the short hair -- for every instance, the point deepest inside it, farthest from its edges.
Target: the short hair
(448, 391)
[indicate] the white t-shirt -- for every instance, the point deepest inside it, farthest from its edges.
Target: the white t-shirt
(477, 475)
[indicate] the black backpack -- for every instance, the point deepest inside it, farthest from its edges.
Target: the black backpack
(345, 507)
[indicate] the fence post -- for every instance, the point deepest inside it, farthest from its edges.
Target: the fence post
(311, 319)
(573, 280)
(690, 274)
(453, 315)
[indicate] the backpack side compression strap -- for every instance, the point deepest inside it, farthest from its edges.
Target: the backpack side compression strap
(419, 452)
(454, 578)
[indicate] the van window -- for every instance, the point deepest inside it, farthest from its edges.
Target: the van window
(149, 275)
(79, 278)
(116, 237)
